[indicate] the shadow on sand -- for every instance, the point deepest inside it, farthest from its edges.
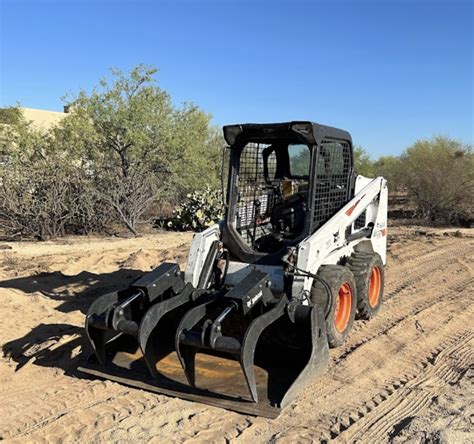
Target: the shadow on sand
(56, 345)
(75, 292)
(48, 345)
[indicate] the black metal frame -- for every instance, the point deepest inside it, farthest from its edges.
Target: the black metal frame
(317, 137)
(237, 323)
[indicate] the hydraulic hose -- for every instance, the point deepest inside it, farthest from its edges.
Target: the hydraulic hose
(312, 275)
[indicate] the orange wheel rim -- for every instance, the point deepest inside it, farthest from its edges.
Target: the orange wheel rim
(342, 314)
(375, 283)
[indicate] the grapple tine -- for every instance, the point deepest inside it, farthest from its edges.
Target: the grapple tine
(250, 340)
(187, 353)
(188, 361)
(318, 359)
(98, 336)
(151, 348)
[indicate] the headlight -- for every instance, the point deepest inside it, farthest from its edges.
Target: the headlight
(302, 128)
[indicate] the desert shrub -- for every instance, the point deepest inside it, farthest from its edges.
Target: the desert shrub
(90, 212)
(439, 176)
(47, 199)
(10, 115)
(128, 198)
(36, 200)
(201, 210)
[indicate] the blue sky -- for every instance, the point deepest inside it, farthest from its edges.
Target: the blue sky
(389, 71)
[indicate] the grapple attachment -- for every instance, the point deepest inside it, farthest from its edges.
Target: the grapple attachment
(242, 348)
(114, 320)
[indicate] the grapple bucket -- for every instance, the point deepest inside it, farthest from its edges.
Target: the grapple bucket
(242, 349)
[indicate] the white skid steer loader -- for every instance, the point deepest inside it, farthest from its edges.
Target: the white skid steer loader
(266, 291)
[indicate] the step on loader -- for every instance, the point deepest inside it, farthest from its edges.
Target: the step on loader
(266, 291)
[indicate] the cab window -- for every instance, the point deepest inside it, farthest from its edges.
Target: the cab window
(299, 155)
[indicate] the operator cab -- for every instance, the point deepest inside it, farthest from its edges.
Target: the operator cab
(275, 170)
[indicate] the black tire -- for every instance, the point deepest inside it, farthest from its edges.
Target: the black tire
(368, 270)
(339, 318)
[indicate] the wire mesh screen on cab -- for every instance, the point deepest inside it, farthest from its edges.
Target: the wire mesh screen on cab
(255, 199)
(258, 196)
(360, 221)
(333, 173)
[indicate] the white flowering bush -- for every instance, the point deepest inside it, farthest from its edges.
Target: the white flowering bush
(201, 210)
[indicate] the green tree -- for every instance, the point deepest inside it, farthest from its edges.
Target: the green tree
(363, 162)
(128, 133)
(130, 121)
(390, 168)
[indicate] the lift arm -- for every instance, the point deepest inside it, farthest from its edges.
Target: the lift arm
(331, 237)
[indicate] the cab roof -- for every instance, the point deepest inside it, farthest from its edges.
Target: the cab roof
(309, 132)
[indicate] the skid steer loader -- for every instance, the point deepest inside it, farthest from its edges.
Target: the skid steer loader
(267, 291)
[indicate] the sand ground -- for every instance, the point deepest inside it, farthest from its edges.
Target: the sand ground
(405, 376)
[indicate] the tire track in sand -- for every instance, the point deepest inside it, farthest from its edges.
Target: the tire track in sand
(414, 392)
(384, 371)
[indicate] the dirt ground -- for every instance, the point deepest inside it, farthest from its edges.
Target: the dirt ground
(406, 376)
